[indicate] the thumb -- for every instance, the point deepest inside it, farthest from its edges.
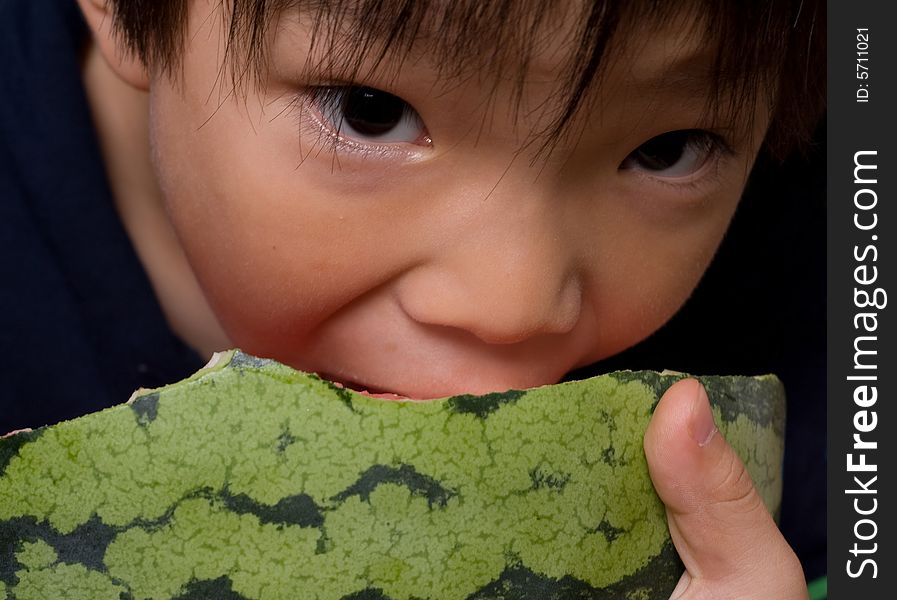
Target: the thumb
(727, 539)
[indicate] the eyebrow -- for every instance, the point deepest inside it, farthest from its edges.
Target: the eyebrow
(688, 77)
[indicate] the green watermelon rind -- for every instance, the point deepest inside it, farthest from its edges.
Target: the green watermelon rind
(402, 512)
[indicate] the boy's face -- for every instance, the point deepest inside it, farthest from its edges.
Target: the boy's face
(428, 256)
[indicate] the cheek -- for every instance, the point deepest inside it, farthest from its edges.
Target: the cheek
(239, 228)
(274, 247)
(647, 270)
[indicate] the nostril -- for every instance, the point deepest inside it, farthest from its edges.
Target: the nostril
(508, 335)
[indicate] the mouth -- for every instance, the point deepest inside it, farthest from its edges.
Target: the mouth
(363, 389)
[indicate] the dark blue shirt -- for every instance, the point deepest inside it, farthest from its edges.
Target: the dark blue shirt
(80, 327)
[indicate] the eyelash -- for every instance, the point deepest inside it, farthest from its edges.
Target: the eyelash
(314, 98)
(719, 150)
(314, 123)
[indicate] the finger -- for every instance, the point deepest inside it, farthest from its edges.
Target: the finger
(15, 432)
(719, 524)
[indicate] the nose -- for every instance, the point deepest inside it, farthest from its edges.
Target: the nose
(505, 274)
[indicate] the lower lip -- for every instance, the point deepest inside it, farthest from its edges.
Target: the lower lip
(357, 389)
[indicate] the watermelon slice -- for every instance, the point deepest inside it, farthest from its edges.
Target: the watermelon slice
(252, 480)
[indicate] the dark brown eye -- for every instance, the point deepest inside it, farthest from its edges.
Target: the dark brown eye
(367, 114)
(372, 112)
(674, 154)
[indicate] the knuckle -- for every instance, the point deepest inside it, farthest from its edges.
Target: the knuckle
(777, 576)
(734, 488)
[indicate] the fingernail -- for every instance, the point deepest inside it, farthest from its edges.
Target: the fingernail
(702, 426)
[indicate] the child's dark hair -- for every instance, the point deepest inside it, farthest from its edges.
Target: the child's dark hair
(774, 46)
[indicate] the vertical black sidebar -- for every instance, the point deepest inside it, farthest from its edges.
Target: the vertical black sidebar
(862, 271)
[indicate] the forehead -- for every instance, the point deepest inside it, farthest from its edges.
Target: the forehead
(540, 38)
(567, 48)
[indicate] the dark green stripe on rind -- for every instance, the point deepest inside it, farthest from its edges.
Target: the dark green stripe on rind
(367, 594)
(241, 360)
(542, 479)
(146, 408)
(761, 399)
(609, 532)
(342, 393)
(404, 475)
(86, 545)
(651, 582)
(9, 446)
(210, 589)
(483, 406)
(298, 509)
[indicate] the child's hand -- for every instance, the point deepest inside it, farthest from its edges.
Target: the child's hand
(729, 543)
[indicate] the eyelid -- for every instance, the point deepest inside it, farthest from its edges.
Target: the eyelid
(313, 122)
(711, 144)
(704, 178)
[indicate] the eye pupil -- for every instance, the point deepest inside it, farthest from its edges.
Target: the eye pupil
(371, 112)
(663, 151)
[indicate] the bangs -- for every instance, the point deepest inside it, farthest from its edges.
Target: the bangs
(772, 51)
